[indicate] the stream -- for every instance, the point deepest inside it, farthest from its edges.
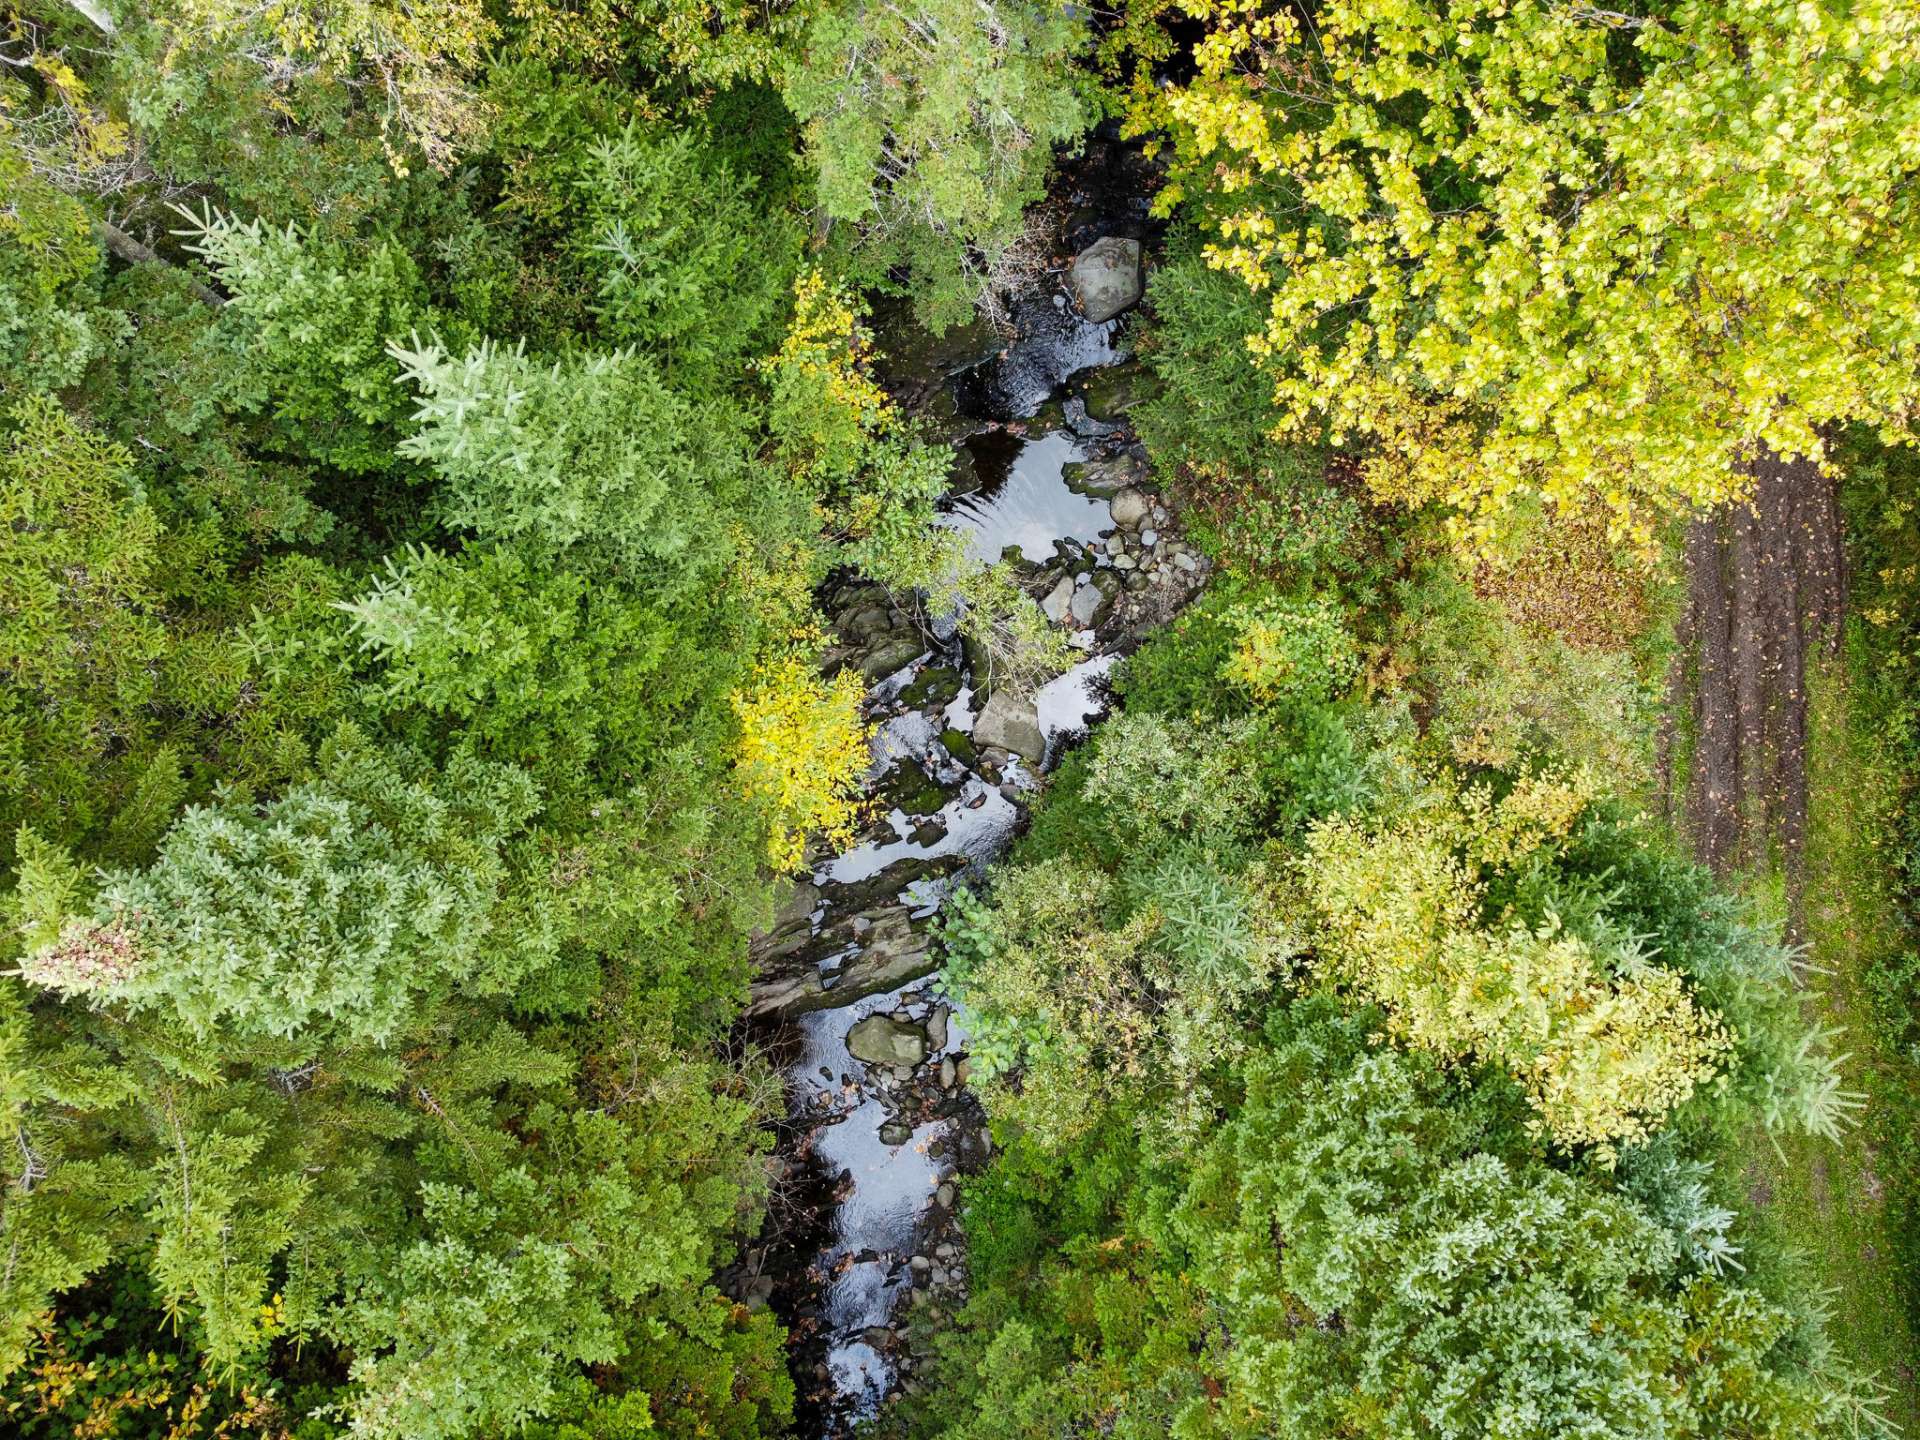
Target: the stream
(881, 1126)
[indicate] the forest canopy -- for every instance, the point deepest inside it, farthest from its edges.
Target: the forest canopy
(429, 434)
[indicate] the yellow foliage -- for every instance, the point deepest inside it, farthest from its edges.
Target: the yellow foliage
(802, 752)
(834, 404)
(1603, 1051)
(1515, 264)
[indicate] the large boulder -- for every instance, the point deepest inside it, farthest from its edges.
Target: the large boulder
(882, 1040)
(1013, 724)
(1106, 277)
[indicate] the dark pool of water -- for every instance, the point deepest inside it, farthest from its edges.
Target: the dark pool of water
(1026, 503)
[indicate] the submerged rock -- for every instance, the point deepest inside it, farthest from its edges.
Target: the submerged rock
(895, 1132)
(1103, 478)
(1106, 277)
(883, 1040)
(1013, 724)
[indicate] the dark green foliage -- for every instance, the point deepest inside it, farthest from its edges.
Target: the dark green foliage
(690, 267)
(1264, 507)
(376, 593)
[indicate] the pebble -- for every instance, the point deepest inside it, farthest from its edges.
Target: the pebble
(945, 1250)
(1149, 537)
(945, 1194)
(1186, 562)
(920, 1262)
(962, 1070)
(1123, 561)
(949, 1073)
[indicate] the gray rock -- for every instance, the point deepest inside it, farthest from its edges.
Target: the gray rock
(949, 1073)
(1012, 724)
(891, 954)
(1129, 508)
(895, 1132)
(937, 1028)
(944, 1195)
(1055, 604)
(1124, 561)
(962, 1071)
(1106, 277)
(883, 1040)
(1090, 606)
(889, 655)
(1149, 537)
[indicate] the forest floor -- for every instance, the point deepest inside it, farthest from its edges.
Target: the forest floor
(1826, 1200)
(1769, 782)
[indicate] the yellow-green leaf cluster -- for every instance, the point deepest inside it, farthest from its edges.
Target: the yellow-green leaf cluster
(802, 751)
(1521, 248)
(1604, 1046)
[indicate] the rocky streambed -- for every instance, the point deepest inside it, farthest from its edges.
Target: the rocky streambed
(881, 1126)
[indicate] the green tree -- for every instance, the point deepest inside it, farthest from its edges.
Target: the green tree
(932, 127)
(331, 908)
(597, 453)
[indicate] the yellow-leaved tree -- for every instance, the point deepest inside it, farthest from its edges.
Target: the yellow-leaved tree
(1543, 249)
(803, 750)
(1604, 1045)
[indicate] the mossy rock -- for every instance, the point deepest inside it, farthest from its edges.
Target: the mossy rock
(891, 654)
(1114, 391)
(959, 745)
(935, 685)
(912, 790)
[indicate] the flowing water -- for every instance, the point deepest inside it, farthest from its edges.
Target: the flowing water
(875, 1146)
